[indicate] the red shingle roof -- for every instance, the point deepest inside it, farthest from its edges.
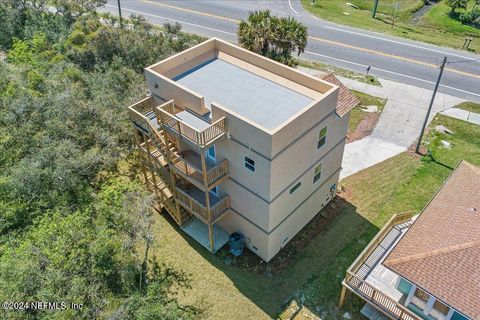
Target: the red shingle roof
(346, 100)
(441, 251)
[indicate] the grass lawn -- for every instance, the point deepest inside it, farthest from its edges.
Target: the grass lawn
(365, 202)
(469, 106)
(340, 72)
(357, 114)
(436, 27)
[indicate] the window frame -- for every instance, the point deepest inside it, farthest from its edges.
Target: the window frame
(441, 307)
(249, 163)
(295, 187)
(322, 139)
(317, 175)
(214, 190)
(209, 156)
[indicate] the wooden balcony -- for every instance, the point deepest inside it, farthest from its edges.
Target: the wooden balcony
(193, 199)
(188, 165)
(356, 276)
(143, 116)
(189, 127)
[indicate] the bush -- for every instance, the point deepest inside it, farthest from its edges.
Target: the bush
(70, 230)
(471, 16)
(457, 4)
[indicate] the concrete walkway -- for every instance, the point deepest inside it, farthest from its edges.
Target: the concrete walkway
(464, 115)
(399, 124)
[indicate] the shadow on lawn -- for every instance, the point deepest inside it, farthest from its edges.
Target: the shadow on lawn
(322, 246)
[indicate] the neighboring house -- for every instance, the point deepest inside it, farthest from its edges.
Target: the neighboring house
(262, 140)
(429, 268)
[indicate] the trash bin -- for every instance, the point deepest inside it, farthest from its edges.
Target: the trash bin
(236, 243)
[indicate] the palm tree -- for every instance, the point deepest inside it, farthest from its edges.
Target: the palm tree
(255, 34)
(271, 36)
(290, 35)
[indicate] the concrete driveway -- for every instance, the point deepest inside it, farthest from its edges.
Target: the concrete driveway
(399, 124)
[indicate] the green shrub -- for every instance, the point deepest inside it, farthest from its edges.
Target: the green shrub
(471, 16)
(457, 4)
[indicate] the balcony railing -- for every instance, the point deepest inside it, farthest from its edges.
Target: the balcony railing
(166, 116)
(138, 115)
(188, 170)
(394, 220)
(219, 208)
(353, 282)
(137, 112)
(383, 302)
(199, 209)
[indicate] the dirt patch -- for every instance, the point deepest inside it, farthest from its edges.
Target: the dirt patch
(423, 150)
(252, 263)
(365, 127)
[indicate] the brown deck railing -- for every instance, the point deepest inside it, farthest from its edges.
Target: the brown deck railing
(196, 207)
(193, 205)
(383, 302)
(215, 173)
(391, 308)
(219, 208)
(136, 112)
(394, 220)
(166, 116)
(184, 167)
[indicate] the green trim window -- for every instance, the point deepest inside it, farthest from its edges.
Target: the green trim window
(322, 137)
(295, 187)
(249, 163)
(317, 173)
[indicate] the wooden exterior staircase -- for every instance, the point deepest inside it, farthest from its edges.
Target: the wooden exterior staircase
(152, 146)
(183, 181)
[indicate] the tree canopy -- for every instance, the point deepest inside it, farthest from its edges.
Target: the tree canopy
(457, 4)
(74, 223)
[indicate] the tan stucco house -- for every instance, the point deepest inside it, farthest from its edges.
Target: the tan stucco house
(234, 142)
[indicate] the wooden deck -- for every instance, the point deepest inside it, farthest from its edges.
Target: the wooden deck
(379, 276)
(190, 128)
(371, 281)
(181, 180)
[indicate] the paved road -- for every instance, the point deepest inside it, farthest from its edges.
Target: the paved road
(392, 58)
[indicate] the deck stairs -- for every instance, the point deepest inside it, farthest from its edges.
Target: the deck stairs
(164, 185)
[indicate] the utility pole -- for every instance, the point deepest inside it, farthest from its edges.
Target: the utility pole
(442, 67)
(375, 7)
(120, 14)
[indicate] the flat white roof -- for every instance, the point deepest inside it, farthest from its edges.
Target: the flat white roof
(256, 98)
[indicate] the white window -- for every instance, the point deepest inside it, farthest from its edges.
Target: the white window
(295, 187)
(322, 137)
(249, 164)
(211, 153)
(317, 173)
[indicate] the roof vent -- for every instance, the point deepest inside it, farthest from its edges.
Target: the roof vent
(473, 210)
